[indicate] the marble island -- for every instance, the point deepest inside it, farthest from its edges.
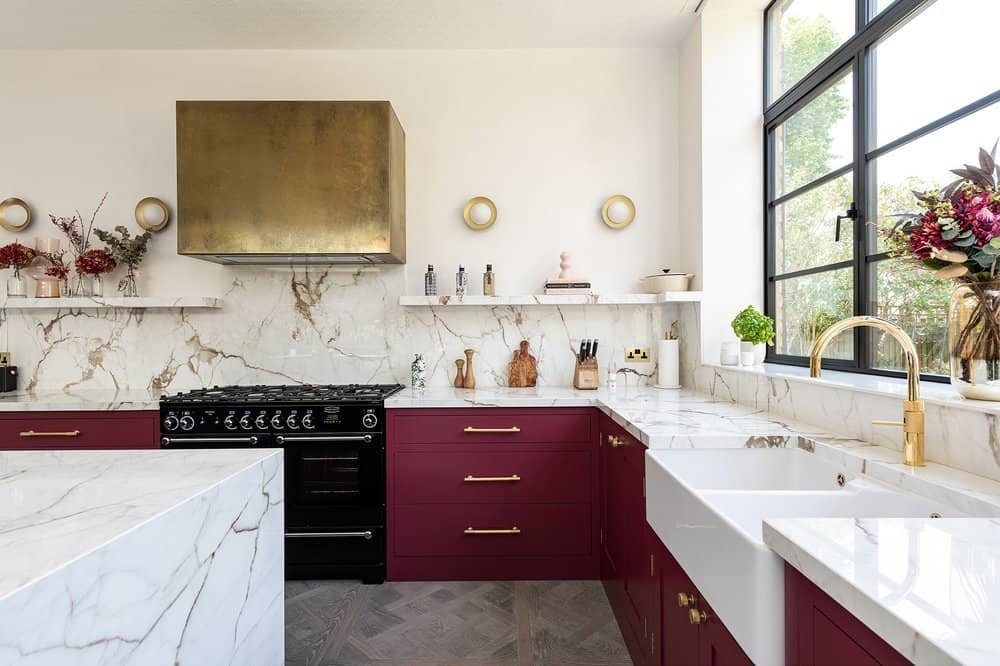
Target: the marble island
(141, 557)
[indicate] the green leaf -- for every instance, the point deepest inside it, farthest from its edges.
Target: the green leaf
(950, 234)
(968, 241)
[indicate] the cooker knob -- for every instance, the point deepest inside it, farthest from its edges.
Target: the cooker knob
(292, 422)
(170, 423)
(276, 421)
(229, 422)
(187, 423)
(307, 422)
(261, 422)
(369, 420)
(245, 422)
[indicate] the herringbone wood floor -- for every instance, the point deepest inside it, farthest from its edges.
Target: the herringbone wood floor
(538, 623)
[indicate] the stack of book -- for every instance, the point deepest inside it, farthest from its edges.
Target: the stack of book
(562, 287)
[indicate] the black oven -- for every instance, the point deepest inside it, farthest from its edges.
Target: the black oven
(333, 439)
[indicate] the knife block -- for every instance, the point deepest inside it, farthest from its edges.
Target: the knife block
(586, 375)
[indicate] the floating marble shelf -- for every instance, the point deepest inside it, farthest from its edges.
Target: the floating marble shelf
(111, 303)
(542, 299)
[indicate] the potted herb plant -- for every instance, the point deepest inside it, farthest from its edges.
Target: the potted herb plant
(755, 330)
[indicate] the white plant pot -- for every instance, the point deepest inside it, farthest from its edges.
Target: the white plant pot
(751, 354)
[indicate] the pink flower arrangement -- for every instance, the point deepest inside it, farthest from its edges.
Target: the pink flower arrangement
(57, 268)
(95, 262)
(958, 234)
(15, 255)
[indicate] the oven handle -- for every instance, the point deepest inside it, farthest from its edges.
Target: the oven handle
(281, 439)
(167, 441)
(367, 535)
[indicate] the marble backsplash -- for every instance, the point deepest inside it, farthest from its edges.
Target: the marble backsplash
(313, 325)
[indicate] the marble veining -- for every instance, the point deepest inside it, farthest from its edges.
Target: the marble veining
(321, 324)
(930, 588)
(141, 557)
(80, 400)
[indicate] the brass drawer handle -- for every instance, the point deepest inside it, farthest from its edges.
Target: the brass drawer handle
(685, 599)
(513, 530)
(487, 479)
(615, 442)
(474, 429)
(68, 433)
(696, 616)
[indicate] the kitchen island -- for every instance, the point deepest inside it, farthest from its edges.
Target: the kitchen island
(141, 557)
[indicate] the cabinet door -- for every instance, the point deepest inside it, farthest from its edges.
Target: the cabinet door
(678, 637)
(615, 508)
(716, 645)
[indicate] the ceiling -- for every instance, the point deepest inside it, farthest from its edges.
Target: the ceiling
(342, 24)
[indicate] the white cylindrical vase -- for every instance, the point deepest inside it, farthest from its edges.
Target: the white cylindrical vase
(668, 364)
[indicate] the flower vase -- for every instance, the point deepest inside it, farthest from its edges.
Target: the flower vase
(96, 286)
(127, 284)
(17, 285)
(974, 339)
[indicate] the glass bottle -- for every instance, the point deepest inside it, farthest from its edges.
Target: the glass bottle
(461, 281)
(17, 286)
(489, 282)
(430, 281)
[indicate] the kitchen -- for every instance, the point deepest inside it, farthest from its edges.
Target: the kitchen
(322, 452)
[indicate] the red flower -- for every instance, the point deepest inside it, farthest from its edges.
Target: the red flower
(58, 271)
(926, 237)
(95, 262)
(15, 255)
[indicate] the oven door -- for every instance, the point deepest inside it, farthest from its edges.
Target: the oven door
(333, 480)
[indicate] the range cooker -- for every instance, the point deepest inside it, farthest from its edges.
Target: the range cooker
(333, 439)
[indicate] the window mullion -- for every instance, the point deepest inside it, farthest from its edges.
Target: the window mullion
(861, 122)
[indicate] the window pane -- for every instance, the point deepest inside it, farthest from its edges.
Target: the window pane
(940, 61)
(805, 227)
(803, 33)
(816, 140)
(912, 297)
(925, 164)
(806, 306)
(880, 5)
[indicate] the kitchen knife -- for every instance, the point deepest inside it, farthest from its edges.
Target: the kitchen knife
(586, 354)
(583, 348)
(593, 351)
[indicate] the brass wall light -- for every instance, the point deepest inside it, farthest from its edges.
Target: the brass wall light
(152, 214)
(618, 211)
(480, 213)
(14, 214)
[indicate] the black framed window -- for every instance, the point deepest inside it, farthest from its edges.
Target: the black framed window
(866, 101)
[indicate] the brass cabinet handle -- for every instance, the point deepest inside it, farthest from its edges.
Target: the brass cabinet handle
(68, 433)
(696, 616)
(474, 429)
(513, 530)
(898, 424)
(615, 442)
(488, 479)
(685, 599)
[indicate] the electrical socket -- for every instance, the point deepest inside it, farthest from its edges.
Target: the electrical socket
(637, 354)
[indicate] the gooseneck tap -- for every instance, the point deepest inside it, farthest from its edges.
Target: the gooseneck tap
(913, 406)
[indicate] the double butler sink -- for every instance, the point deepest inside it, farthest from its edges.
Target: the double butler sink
(708, 508)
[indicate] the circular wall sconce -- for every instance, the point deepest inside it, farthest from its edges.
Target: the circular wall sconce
(480, 213)
(152, 214)
(618, 211)
(14, 214)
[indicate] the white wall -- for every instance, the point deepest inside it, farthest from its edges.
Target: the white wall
(722, 86)
(547, 134)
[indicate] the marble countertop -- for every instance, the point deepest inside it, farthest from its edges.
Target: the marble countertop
(56, 506)
(928, 587)
(97, 400)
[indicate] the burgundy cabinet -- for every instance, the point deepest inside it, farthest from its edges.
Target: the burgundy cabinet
(39, 431)
(820, 632)
(716, 646)
(492, 494)
(679, 638)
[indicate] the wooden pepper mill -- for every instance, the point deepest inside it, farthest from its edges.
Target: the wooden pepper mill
(470, 379)
(459, 377)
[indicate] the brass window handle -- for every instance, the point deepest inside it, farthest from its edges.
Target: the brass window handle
(68, 433)
(487, 479)
(513, 530)
(474, 429)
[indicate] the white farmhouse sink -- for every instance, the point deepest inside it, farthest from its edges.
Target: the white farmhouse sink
(708, 508)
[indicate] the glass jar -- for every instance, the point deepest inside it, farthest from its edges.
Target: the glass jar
(96, 286)
(974, 339)
(17, 285)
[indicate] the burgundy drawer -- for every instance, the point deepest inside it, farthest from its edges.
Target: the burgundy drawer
(79, 430)
(440, 530)
(498, 476)
(491, 425)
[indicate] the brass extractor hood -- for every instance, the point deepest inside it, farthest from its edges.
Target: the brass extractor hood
(291, 182)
